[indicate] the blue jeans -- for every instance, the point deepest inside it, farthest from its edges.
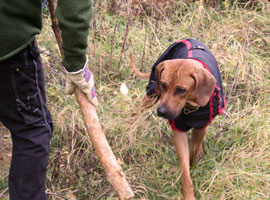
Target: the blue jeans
(24, 112)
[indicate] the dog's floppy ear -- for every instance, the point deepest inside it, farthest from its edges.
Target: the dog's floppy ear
(204, 86)
(159, 69)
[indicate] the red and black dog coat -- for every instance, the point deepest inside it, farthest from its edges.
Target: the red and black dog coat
(203, 116)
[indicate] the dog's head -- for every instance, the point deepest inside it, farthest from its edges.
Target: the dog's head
(179, 81)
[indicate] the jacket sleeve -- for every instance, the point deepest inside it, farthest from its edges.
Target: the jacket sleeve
(74, 21)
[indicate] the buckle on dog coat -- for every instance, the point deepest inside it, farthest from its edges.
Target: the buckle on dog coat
(190, 109)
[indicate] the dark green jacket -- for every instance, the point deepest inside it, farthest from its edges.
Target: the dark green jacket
(21, 20)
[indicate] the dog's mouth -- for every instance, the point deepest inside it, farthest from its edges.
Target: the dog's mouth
(167, 114)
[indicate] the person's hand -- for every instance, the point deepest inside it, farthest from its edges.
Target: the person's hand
(84, 80)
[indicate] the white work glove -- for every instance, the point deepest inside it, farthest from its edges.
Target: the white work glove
(84, 80)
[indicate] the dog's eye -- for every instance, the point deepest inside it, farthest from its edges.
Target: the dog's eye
(179, 90)
(163, 86)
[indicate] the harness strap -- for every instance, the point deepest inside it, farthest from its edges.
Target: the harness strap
(188, 45)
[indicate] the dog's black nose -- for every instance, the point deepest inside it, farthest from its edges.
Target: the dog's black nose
(161, 111)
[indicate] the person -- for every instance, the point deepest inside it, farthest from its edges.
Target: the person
(23, 108)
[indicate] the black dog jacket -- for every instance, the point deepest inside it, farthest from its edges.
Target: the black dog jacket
(193, 117)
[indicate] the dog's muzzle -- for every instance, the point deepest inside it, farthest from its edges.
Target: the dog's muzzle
(162, 111)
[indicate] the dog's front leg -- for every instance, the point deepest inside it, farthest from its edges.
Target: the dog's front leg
(197, 145)
(181, 147)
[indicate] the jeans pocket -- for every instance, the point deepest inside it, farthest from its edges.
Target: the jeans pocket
(30, 109)
(27, 94)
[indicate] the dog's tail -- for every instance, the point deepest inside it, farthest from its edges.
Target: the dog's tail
(135, 70)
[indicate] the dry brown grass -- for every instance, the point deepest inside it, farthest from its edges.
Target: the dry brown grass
(238, 160)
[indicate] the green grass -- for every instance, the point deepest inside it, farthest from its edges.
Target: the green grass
(237, 164)
(3, 185)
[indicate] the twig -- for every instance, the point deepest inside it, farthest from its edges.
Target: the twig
(151, 26)
(56, 195)
(112, 45)
(125, 37)
(144, 49)
(55, 27)
(146, 104)
(100, 42)
(5, 190)
(233, 84)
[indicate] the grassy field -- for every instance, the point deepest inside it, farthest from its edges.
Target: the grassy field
(237, 164)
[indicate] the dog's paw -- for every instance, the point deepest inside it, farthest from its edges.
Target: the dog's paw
(195, 156)
(199, 156)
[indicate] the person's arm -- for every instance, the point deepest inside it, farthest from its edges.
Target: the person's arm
(74, 18)
(74, 21)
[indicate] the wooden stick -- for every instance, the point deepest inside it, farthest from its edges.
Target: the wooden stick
(113, 170)
(55, 27)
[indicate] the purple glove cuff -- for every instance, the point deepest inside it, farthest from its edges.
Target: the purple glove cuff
(87, 74)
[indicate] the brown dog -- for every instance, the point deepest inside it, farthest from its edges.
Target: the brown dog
(185, 87)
